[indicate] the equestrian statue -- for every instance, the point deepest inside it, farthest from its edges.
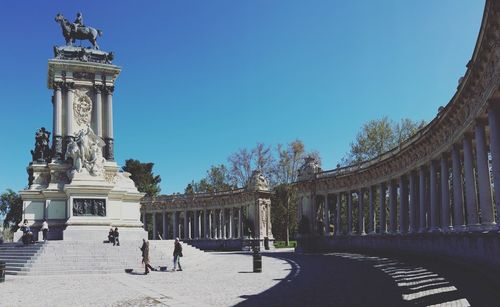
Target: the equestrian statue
(77, 30)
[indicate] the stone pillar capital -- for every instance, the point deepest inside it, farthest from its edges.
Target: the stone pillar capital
(98, 88)
(109, 89)
(57, 85)
(69, 86)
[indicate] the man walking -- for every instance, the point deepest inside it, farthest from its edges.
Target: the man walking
(145, 257)
(177, 254)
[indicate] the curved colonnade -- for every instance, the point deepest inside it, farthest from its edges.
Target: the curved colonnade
(211, 220)
(440, 181)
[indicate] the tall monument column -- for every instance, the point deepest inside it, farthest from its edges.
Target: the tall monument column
(108, 137)
(57, 145)
(98, 110)
(70, 94)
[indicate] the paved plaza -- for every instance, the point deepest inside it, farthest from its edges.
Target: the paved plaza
(288, 279)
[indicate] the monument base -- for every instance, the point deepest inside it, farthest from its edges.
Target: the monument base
(81, 206)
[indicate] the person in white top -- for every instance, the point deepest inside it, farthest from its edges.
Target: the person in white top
(45, 229)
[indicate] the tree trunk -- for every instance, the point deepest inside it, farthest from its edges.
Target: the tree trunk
(287, 223)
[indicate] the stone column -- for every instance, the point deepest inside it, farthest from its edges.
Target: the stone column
(205, 224)
(98, 111)
(361, 212)
(70, 94)
(413, 202)
(155, 232)
(383, 209)
(210, 218)
(470, 186)
(196, 215)
(422, 199)
(371, 218)
(175, 225)
(108, 137)
(393, 202)
(445, 194)
(224, 224)
(231, 220)
(458, 202)
(144, 225)
(338, 222)
(57, 143)
(483, 178)
(165, 226)
(403, 208)
(349, 213)
(494, 124)
(186, 226)
(434, 197)
(240, 222)
(326, 217)
(221, 224)
(216, 217)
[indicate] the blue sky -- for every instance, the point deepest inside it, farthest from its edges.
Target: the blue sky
(202, 79)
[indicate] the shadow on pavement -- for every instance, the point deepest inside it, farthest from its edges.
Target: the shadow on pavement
(345, 279)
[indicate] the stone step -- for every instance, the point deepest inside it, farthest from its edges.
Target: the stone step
(62, 257)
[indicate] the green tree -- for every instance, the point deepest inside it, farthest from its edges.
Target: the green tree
(378, 136)
(283, 211)
(11, 205)
(216, 179)
(284, 202)
(143, 177)
(243, 162)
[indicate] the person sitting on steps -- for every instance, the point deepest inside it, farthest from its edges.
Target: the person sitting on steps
(27, 237)
(111, 236)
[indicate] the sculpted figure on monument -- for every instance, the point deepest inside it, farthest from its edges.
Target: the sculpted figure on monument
(309, 168)
(78, 21)
(73, 152)
(42, 150)
(258, 182)
(86, 152)
(73, 31)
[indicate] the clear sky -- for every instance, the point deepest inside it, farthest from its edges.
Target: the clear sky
(202, 79)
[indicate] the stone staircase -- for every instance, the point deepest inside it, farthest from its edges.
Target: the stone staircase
(17, 256)
(87, 257)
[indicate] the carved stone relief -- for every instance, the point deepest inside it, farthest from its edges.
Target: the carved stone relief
(82, 108)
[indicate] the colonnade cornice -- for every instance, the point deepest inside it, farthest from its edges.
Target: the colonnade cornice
(226, 199)
(469, 103)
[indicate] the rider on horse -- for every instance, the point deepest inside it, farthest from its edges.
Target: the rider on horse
(78, 21)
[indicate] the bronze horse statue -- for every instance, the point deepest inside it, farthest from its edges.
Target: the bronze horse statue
(71, 33)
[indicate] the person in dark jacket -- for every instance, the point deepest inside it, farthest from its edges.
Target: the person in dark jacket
(111, 235)
(177, 254)
(116, 235)
(145, 257)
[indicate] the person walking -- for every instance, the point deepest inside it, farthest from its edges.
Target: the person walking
(116, 236)
(45, 229)
(177, 254)
(145, 257)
